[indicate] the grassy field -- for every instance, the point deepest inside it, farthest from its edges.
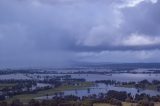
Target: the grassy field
(26, 97)
(6, 85)
(157, 104)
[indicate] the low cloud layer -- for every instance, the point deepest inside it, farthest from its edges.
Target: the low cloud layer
(53, 32)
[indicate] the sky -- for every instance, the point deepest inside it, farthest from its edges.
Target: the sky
(45, 33)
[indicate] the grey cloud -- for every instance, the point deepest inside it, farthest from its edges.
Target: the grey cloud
(143, 18)
(48, 31)
(120, 56)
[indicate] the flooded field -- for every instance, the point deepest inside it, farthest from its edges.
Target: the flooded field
(88, 77)
(102, 88)
(86, 91)
(118, 77)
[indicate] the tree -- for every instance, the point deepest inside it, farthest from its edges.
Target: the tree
(115, 102)
(34, 103)
(16, 102)
(3, 103)
(145, 102)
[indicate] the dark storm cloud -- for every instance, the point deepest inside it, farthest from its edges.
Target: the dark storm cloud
(143, 18)
(75, 24)
(55, 31)
(119, 48)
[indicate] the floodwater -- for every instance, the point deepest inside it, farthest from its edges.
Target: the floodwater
(119, 77)
(123, 77)
(102, 88)
(13, 76)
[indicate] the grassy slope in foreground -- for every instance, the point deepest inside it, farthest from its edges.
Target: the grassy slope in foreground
(124, 104)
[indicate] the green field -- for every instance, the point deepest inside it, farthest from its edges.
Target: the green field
(2, 86)
(26, 97)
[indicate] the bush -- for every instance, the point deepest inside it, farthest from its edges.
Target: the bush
(145, 102)
(34, 103)
(87, 103)
(3, 104)
(115, 102)
(16, 102)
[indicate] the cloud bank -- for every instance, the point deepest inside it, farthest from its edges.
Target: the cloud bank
(52, 32)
